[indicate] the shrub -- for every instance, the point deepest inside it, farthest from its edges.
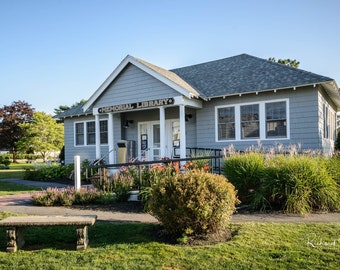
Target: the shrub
(119, 183)
(308, 185)
(296, 184)
(46, 172)
(194, 202)
(122, 184)
(333, 167)
(65, 196)
(102, 181)
(5, 161)
(245, 172)
(337, 142)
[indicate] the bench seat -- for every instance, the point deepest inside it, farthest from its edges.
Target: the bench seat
(15, 228)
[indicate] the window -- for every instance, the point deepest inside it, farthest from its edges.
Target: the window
(91, 133)
(226, 123)
(325, 122)
(79, 133)
(250, 121)
(276, 120)
(103, 132)
(262, 120)
(85, 132)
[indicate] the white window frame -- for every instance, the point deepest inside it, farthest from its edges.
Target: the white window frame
(85, 133)
(262, 112)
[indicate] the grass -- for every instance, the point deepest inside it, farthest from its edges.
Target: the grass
(8, 188)
(136, 246)
(16, 170)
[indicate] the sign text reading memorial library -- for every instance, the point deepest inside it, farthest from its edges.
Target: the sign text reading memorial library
(137, 105)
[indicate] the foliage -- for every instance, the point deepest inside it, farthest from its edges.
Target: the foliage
(43, 135)
(119, 183)
(11, 117)
(122, 184)
(246, 173)
(296, 184)
(192, 203)
(337, 142)
(65, 196)
(288, 62)
(63, 108)
(333, 167)
(5, 160)
(46, 172)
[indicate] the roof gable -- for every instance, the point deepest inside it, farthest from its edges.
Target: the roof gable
(163, 75)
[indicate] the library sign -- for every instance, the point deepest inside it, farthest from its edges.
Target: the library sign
(137, 105)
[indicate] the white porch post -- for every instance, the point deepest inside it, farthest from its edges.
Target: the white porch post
(77, 176)
(162, 131)
(97, 123)
(183, 143)
(110, 138)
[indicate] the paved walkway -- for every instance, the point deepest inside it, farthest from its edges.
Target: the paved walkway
(21, 204)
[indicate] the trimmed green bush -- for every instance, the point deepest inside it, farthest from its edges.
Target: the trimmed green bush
(46, 172)
(5, 161)
(193, 203)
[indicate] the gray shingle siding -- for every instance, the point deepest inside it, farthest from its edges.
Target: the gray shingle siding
(303, 105)
(134, 85)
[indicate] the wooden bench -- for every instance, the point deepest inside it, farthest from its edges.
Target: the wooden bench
(15, 228)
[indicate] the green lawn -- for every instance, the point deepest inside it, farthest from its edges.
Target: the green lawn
(16, 170)
(8, 188)
(135, 246)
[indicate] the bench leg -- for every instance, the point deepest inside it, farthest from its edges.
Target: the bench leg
(82, 238)
(15, 238)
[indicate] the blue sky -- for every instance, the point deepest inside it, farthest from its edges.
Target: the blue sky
(57, 52)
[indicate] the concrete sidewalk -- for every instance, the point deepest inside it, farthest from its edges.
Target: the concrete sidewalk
(21, 204)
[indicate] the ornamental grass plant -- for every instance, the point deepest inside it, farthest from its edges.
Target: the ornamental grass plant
(297, 184)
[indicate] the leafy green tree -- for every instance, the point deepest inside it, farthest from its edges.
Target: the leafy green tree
(43, 135)
(63, 108)
(11, 116)
(337, 142)
(288, 62)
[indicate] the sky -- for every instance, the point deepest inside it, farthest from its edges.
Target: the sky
(58, 52)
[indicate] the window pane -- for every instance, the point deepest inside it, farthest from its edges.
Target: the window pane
(276, 119)
(91, 132)
(250, 125)
(226, 123)
(79, 133)
(103, 132)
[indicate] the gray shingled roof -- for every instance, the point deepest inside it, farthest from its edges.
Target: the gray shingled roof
(229, 76)
(170, 75)
(243, 74)
(74, 111)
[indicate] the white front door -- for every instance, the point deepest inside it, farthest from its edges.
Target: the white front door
(149, 139)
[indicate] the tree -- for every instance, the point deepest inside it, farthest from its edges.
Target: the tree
(11, 116)
(287, 62)
(43, 135)
(63, 108)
